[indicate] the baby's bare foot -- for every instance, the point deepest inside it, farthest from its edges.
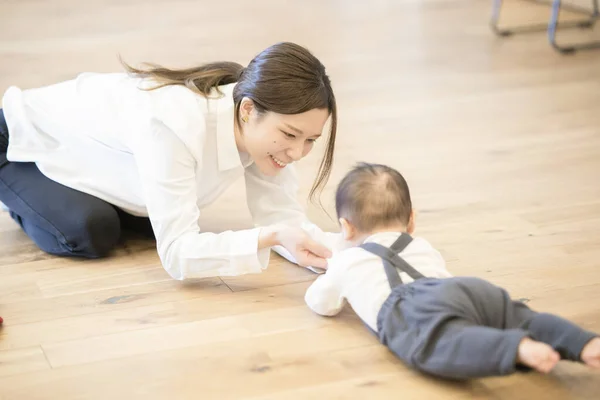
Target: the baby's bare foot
(591, 353)
(537, 355)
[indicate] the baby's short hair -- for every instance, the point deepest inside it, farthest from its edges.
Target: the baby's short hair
(373, 196)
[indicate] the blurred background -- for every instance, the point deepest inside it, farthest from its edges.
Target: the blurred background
(498, 137)
(425, 85)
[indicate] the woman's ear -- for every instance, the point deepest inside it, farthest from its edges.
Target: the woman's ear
(348, 230)
(246, 108)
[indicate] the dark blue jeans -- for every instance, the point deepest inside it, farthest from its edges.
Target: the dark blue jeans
(60, 220)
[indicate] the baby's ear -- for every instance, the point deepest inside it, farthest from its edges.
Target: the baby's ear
(411, 223)
(348, 231)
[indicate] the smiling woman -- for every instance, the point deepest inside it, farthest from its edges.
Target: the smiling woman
(90, 156)
(267, 137)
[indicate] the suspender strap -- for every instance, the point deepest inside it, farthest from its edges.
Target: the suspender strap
(400, 244)
(382, 251)
(392, 262)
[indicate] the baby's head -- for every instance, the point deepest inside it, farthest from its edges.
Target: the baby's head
(373, 198)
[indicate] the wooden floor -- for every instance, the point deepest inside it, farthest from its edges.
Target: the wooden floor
(499, 139)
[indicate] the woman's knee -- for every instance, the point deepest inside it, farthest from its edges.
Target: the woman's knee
(98, 233)
(90, 234)
(95, 233)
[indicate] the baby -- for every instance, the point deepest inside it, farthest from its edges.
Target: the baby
(451, 327)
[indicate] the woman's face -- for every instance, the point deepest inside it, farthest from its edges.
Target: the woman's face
(275, 140)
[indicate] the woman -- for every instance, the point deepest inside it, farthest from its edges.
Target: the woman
(81, 160)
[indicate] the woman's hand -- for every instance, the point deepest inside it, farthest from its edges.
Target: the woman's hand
(301, 246)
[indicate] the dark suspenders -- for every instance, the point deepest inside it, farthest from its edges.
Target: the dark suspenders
(392, 262)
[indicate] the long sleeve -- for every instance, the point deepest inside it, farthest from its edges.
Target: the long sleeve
(168, 174)
(274, 200)
(324, 296)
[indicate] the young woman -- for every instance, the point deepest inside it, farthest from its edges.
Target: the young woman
(81, 160)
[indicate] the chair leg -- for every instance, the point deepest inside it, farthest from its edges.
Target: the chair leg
(497, 7)
(552, 25)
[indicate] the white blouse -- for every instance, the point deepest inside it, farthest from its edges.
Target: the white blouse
(163, 153)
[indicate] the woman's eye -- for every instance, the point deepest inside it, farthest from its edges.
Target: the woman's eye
(289, 135)
(312, 140)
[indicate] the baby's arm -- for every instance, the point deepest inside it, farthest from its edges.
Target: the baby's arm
(324, 296)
